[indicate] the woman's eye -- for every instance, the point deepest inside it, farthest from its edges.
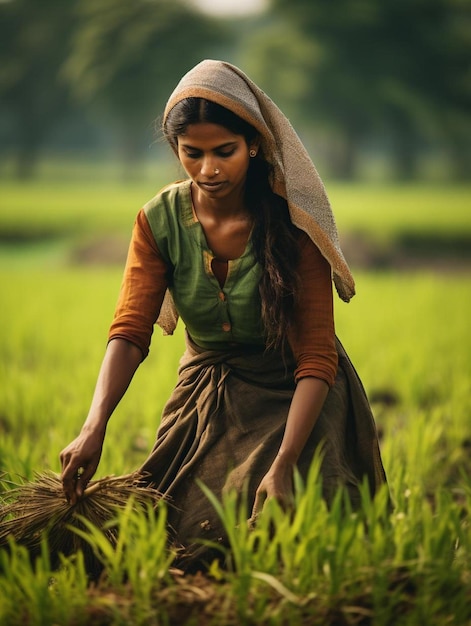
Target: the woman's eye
(223, 154)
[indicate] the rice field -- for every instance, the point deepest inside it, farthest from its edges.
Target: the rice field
(407, 333)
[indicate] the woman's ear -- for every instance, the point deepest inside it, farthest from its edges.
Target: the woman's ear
(254, 146)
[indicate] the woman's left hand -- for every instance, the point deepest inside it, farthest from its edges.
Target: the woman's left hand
(306, 405)
(277, 483)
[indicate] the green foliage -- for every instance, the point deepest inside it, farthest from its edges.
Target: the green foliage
(394, 70)
(138, 566)
(371, 562)
(140, 560)
(31, 593)
(121, 53)
(37, 353)
(389, 76)
(67, 204)
(34, 40)
(120, 60)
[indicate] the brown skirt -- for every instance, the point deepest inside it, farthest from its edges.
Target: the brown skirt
(223, 426)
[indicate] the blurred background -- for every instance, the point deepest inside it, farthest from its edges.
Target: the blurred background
(378, 89)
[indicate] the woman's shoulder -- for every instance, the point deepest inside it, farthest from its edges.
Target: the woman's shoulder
(169, 196)
(309, 253)
(305, 243)
(170, 208)
(168, 215)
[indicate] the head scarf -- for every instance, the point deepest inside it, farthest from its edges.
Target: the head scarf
(295, 177)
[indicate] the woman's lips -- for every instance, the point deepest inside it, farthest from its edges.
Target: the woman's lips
(208, 186)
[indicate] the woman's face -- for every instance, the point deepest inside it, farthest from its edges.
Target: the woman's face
(215, 159)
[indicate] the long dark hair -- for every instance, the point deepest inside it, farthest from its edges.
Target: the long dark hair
(274, 235)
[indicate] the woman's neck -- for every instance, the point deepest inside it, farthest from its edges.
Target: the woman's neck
(229, 207)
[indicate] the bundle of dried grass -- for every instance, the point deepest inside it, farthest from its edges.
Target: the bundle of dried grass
(31, 510)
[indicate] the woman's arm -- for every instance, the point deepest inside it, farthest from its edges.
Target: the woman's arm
(306, 405)
(142, 291)
(120, 362)
(312, 340)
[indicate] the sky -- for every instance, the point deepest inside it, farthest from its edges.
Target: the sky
(231, 7)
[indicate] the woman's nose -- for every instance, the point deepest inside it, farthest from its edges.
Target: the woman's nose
(208, 166)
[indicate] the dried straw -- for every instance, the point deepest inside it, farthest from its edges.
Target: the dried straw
(32, 510)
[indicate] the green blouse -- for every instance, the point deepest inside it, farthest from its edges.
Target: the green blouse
(215, 317)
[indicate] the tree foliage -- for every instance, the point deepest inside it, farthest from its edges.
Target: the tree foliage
(366, 72)
(127, 56)
(398, 68)
(117, 57)
(34, 39)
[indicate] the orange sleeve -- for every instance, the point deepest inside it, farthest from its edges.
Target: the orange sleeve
(142, 289)
(312, 337)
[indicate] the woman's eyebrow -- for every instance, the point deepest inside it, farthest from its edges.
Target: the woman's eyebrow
(220, 147)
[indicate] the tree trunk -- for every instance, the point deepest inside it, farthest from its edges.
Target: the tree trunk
(404, 155)
(28, 152)
(460, 157)
(131, 153)
(344, 162)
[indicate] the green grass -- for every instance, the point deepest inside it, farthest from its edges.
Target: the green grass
(386, 210)
(61, 206)
(321, 567)
(407, 334)
(57, 322)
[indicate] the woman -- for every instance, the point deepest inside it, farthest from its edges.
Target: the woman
(244, 251)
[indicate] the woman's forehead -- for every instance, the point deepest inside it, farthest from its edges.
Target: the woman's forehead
(208, 133)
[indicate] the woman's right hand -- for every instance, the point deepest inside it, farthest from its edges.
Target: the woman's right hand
(81, 457)
(79, 463)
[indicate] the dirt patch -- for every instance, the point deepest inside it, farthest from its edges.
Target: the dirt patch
(107, 250)
(361, 251)
(409, 252)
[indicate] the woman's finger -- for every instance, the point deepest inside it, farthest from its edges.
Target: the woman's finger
(72, 483)
(257, 508)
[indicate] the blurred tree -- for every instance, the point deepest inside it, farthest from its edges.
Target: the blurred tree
(393, 67)
(128, 56)
(292, 68)
(275, 55)
(34, 39)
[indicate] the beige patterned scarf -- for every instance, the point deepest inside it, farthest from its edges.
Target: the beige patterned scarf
(295, 176)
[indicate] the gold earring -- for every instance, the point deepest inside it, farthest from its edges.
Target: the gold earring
(253, 153)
